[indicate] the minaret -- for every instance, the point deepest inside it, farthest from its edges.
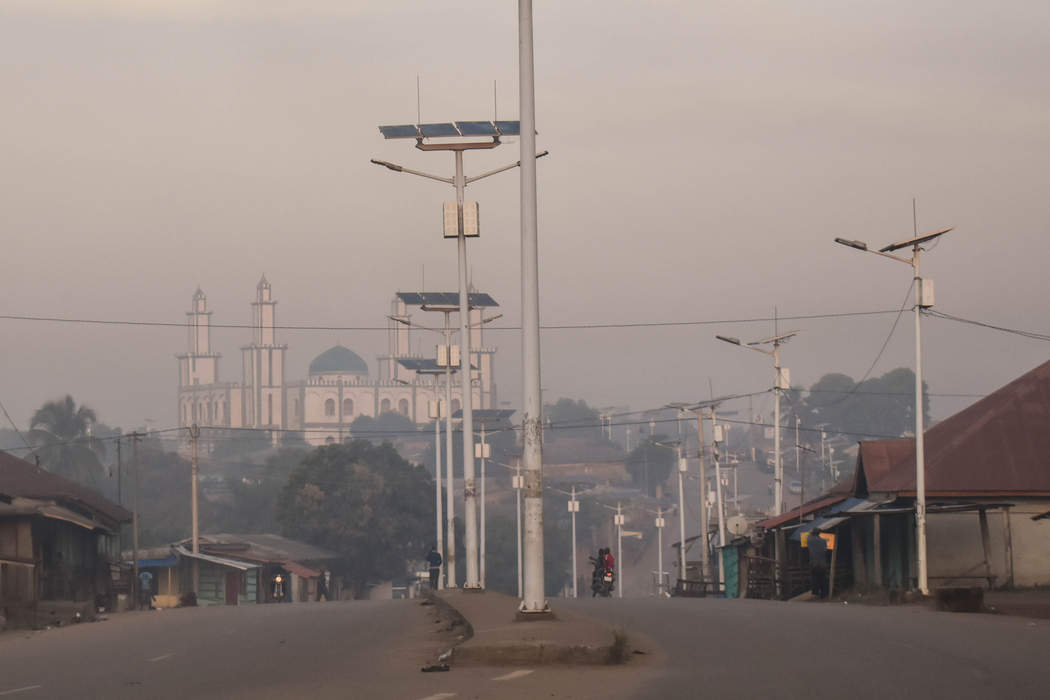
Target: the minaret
(198, 366)
(264, 364)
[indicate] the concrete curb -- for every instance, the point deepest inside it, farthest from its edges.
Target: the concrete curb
(532, 653)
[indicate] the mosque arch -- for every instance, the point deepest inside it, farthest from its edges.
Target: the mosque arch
(329, 407)
(402, 407)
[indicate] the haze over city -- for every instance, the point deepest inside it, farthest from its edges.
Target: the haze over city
(702, 160)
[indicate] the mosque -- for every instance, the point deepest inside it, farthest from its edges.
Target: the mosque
(339, 387)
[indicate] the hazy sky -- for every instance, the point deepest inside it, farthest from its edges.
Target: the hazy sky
(703, 157)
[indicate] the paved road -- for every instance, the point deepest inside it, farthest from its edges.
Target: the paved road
(763, 649)
(369, 650)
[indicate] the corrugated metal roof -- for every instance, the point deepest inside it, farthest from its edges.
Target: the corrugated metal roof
(221, 561)
(806, 509)
(263, 547)
(997, 446)
(21, 478)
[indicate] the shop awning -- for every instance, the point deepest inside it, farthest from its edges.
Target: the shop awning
(211, 558)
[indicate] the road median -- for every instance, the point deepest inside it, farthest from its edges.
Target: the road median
(497, 638)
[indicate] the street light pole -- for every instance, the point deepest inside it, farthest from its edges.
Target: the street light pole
(574, 508)
(659, 550)
(534, 599)
(518, 485)
(450, 474)
(619, 549)
(435, 414)
(195, 433)
(483, 453)
(681, 512)
(923, 299)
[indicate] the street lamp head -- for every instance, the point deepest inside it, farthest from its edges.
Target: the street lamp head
(734, 341)
(399, 319)
(390, 166)
(859, 245)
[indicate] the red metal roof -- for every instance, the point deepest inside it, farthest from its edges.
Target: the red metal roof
(998, 446)
(300, 570)
(806, 509)
(21, 478)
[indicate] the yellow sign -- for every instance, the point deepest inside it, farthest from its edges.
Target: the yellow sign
(826, 536)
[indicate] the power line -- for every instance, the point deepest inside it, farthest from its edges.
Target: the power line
(561, 326)
(1033, 335)
(15, 427)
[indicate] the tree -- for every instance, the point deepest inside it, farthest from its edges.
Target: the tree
(365, 502)
(651, 463)
(61, 430)
(878, 407)
(388, 427)
(572, 418)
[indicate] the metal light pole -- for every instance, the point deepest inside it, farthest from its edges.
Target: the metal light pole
(619, 548)
(717, 436)
(574, 508)
(681, 511)
(923, 299)
(483, 451)
(195, 433)
(135, 519)
(518, 485)
(782, 383)
(659, 523)
(534, 600)
(456, 227)
(435, 412)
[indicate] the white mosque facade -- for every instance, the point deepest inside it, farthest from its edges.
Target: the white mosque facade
(338, 389)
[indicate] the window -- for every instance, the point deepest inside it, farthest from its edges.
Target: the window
(209, 412)
(295, 407)
(329, 407)
(455, 406)
(402, 407)
(348, 407)
(384, 406)
(269, 409)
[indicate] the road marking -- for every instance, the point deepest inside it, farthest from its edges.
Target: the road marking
(163, 656)
(439, 696)
(19, 690)
(512, 675)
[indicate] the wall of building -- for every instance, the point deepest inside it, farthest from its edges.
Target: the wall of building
(955, 548)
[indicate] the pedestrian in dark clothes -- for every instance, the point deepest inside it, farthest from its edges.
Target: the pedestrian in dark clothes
(818, 564)
(434, 561)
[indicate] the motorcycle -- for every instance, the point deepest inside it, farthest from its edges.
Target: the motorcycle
(278, 588)
(603, 581)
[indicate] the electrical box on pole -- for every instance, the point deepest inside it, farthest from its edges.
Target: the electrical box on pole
(925, 294)
(659, 522)
(682, 465)
(448, 356)
(720, 436)
(618, 520)
(784, 378)
(435, 409)
(471, 221)
(517, 482)
(482, 450)
(574, 506)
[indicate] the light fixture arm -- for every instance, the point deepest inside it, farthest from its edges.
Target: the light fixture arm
(475, 178)
(401, 169)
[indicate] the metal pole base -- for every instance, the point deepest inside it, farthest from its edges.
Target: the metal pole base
(472, 589)
(534, 615)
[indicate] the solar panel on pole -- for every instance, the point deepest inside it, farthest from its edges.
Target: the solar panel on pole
(400, 131)
(438, 130)
(507, 128)
(477, 128)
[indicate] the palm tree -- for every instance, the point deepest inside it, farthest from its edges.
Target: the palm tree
(61, 430)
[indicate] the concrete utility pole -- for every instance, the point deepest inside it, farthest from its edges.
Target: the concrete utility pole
(135, 519)
(716, 430)
(195, 433)
(120, 477)
(450, 475)
(534, 600)
(923, 300)
(574, 508)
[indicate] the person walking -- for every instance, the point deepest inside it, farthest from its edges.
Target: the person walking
(818, 564)
(145, 589)
(434, 561)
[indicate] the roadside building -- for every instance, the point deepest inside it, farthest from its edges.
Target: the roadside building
(987, 481)
(59, 551)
